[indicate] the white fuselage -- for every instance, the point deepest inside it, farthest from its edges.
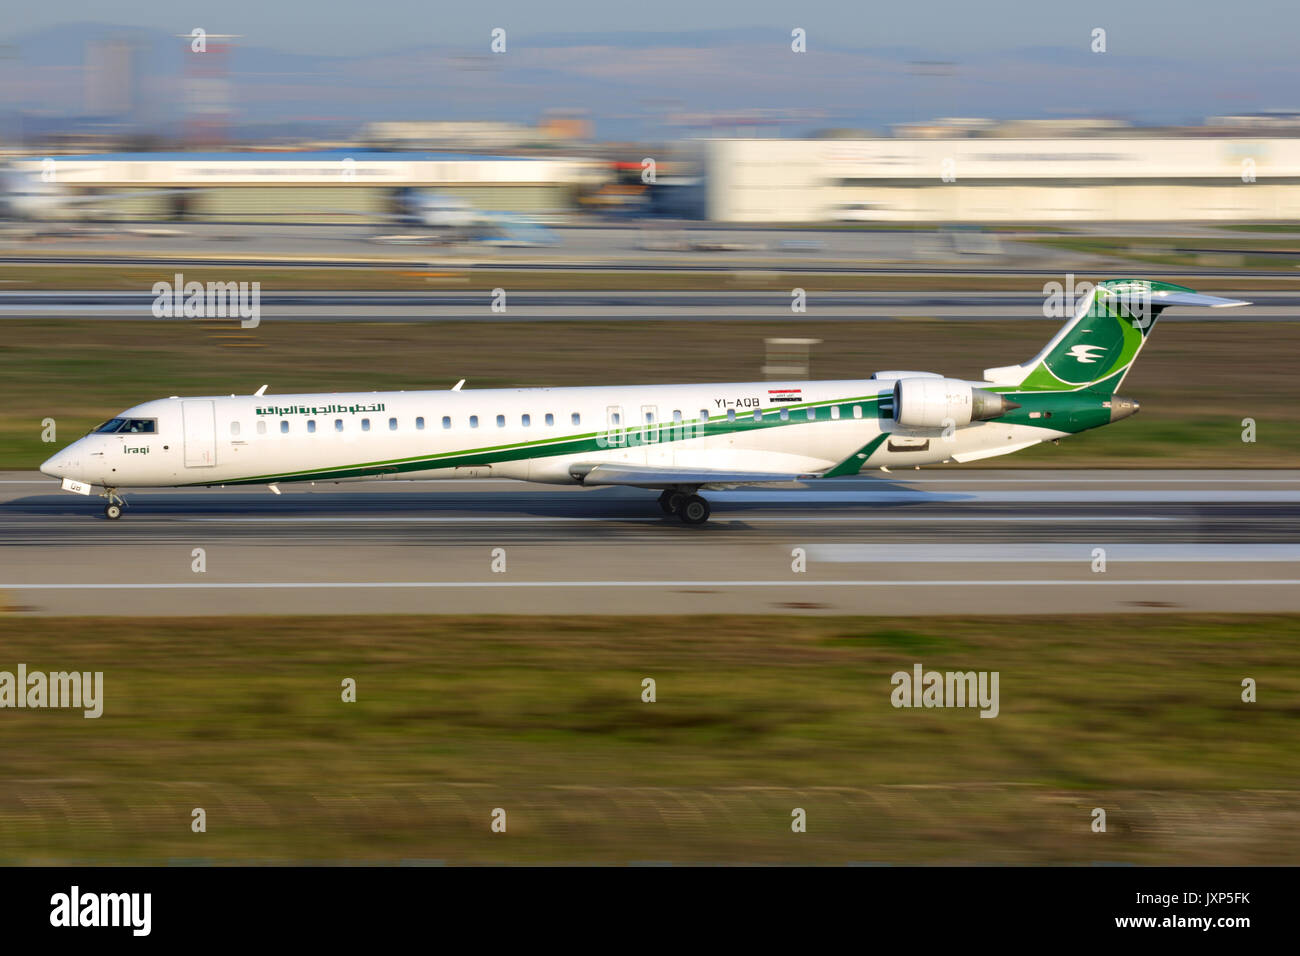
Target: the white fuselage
(531, 434)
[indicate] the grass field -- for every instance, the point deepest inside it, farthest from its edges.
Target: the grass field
(754, 717)
(1196, 381)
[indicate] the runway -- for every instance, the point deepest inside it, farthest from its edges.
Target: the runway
(603, 306)
(925, 542)
(643, 246)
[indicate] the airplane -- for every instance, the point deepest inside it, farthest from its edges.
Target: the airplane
(437, 210)
(26, 196)
(676, 439)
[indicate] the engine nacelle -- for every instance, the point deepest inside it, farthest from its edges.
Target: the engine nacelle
(936, 402)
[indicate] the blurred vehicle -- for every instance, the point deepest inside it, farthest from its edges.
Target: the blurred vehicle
(857, 212)
(459, 220)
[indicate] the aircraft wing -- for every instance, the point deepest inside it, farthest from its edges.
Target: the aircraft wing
(666, 476)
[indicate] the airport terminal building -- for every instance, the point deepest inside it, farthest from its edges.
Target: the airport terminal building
(964, 179)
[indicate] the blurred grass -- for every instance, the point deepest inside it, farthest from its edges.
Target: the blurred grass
(755, 716)
(1196, 381)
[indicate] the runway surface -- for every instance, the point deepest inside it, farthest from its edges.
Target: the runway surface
(620, 306)
(645, 242)
(925, 542)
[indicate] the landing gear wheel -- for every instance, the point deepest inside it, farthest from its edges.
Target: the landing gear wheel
(671, 501)
(694, 510)
(112, 512)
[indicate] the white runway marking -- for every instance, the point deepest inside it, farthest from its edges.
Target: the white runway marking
(416, 519)
(1035, 552)
(1080, 496)
(693, 585)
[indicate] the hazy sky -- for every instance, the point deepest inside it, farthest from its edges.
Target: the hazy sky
(1186, 30)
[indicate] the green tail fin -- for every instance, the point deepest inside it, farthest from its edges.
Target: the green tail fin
(1095, 349)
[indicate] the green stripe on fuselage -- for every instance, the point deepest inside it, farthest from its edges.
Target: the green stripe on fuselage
(628, 437)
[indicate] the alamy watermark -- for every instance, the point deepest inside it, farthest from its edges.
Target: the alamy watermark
(57, 689)
(1062, 300)
(215, 300)
(922, 688)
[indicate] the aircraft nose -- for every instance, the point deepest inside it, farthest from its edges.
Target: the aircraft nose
(56, 466)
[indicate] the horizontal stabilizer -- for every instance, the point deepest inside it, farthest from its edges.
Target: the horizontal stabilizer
(1162, 299)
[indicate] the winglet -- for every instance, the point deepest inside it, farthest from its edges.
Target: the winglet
(261, 391)
(456, 387)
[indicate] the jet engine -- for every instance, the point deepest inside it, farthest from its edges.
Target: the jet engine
(934, 402)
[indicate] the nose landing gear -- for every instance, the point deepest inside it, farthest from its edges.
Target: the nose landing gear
(113, 510)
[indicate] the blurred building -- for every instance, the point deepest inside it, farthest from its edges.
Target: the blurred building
(555, 129)
(334, 185)
(110, 78)
(992, 179)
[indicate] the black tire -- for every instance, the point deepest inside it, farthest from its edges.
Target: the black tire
(112, 512)
(670, 502)
(694, 510)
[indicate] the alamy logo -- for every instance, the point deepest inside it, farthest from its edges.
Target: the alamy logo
(216, 300)
(1085, 353)
(75, 908)
(952, 689)
(57, 689)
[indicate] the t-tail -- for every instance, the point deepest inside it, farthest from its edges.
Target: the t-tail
(1095, 349)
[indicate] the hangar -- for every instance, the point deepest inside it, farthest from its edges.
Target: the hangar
(973, 179)
(321, 186)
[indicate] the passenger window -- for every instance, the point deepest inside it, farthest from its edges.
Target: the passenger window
(338, 424)
(731, 414)
(473, 421)
(550, 418)
(526, 420)
(419, 423)
(812, 414)
(704, 416)
(785, 414)
(576, 418)
(365, 424)
(615, 418)
(857, 411)
(835, 412)
(392, 424)
(261, 428)
(446, 421)
(677, 416)
(234, 429)
(311, 426)
(284, 427)
(758, 415)
(501, 421)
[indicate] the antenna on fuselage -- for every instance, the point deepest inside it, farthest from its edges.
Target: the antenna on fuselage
(456, 387)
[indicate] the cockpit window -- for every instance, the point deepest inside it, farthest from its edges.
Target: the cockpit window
(125, 426)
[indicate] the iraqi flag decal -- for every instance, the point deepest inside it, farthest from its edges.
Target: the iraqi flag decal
(785, 394)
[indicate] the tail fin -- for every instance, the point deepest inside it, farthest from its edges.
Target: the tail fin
(1096, 348)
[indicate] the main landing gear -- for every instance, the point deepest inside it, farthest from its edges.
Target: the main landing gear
(691, 508)
(113, 510)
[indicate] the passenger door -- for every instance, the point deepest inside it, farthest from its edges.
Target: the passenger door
(200, 434)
